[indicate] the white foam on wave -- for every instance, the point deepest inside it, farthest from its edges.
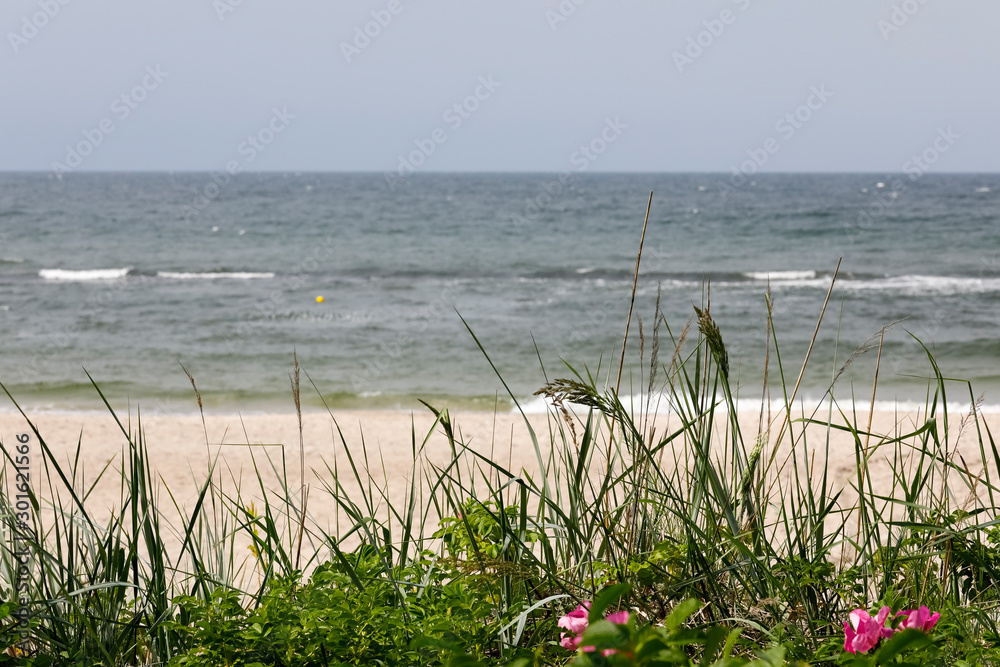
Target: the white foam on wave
(915, 285)
(11, 260)
(85, 275)
(954, 408)
(237, 275)
(982, 189)
(668, 283)
(660, 404)
(780, 276)
(908, 285)
(536, 405)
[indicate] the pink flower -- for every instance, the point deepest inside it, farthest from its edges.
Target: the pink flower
(921, 619)
(577, 621)
(863, 632)
(619, 617)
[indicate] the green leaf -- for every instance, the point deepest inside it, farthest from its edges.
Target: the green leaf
(520, 662)
(649, 648)
(603, 634)
(734, 636)
(681, 613)
(464, 660)
(714, 639)
(611, 595)
(773, 657)
(901, 641)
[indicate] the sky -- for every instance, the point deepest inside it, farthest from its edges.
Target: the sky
(491, 85)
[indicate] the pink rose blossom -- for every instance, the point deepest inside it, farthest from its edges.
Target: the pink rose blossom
(577, 621)
(921, 619)
(864, 632)
(619, 617)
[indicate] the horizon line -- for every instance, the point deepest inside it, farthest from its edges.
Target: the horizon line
(493, 172)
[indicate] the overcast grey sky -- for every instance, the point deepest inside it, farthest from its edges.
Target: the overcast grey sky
(821, 85)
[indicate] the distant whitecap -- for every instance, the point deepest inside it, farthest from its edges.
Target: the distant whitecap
(84, 275)
(776, 276)
(917, 285)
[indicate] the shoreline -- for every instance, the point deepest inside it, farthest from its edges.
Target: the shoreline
(502, 405)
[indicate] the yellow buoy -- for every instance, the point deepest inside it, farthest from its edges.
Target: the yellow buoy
(320, 299)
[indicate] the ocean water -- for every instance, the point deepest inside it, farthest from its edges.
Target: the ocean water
(128, 277)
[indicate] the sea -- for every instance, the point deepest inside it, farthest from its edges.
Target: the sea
(471, 291)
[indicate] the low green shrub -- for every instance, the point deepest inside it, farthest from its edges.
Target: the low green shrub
(345, 614)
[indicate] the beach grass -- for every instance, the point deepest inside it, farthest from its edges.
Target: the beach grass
(477, 561)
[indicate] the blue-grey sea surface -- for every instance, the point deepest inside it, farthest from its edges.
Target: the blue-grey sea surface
(128, 277)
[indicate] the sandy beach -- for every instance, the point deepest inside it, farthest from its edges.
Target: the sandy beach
(381, 442)
(180, 450)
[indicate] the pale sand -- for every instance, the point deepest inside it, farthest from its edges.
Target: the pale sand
(178, 452)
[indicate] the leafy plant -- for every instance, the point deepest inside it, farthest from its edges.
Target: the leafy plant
(331, 621)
